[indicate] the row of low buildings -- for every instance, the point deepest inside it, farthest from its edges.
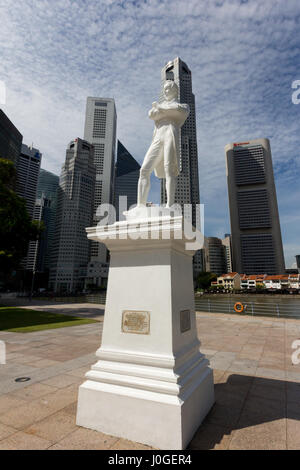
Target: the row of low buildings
(234, 280)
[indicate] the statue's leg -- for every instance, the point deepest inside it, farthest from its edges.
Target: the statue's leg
(170, 188)
(170, 180)
(150, 161)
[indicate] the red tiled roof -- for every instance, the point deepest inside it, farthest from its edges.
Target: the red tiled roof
(277, 277)
(230, 275)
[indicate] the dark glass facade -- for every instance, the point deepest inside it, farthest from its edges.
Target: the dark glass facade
(126, 178)
(10, 139)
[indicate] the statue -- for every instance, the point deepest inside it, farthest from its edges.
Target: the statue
(163, 153)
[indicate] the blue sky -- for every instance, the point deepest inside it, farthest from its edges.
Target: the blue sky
(244, 56)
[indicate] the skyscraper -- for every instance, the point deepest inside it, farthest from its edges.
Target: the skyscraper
(215, 255)
(28, 168)
(70, 252)
(39, 251)
(187, 189)
(100, 130)
(255, 227)
(126, 178)
(298, 262)
(10, 139)
(47, 190)
(226, 241)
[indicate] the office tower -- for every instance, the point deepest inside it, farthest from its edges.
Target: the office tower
(215, 255)
(28, 168)
(187, 189)
(298, 262)
(74, 212)
(10, 139)
(38, 249)
(47, 189)
(255, 226)
(100, 130)
(127, 174)
(226, 241)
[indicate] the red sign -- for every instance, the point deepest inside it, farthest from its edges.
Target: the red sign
(240, 143)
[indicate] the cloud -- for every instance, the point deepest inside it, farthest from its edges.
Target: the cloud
(244, 56)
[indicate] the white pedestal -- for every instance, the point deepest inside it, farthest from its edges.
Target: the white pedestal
(151, 384)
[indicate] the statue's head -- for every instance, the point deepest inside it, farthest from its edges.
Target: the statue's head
(170, 90)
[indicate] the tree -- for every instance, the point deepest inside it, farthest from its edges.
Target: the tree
(16, 226)
(204, 279)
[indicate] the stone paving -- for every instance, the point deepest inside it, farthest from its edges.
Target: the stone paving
(256, 385)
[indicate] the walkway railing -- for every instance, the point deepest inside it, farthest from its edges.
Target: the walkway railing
(289, 309)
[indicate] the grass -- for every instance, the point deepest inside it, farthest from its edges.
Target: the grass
(22, 320)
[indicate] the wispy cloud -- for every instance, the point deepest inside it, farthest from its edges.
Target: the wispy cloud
(244, 55)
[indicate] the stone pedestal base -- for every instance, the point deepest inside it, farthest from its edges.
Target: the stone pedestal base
(150, 384)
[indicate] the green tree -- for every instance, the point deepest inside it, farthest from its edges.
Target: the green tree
(204, 279)
(16, 226)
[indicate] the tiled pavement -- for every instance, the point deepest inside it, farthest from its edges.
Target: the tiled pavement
(257, 387)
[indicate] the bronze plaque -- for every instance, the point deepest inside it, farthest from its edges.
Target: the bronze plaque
(136, 321)
(185, 320)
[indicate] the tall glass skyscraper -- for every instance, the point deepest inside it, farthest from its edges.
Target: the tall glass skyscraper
(126, 178)
(39, 252)
(47, 189)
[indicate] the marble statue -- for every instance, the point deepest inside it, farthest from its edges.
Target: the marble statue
(164, 152)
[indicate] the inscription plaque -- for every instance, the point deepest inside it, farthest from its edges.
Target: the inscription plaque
(136, 321)
(185, 320)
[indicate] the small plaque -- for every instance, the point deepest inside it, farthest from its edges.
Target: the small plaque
(185, 320)
(137, 322)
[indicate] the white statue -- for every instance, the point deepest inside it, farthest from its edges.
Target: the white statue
(163, 154)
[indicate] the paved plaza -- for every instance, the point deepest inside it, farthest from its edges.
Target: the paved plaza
(256, 385)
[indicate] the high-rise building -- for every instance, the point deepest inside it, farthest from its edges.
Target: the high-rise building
(298, 262)
(100, 130)
(38, 249)
(47, 190)
(74, 212)
(10, 139)
(28, 168)
(126, 178)
(215, 255)
(255, 227)
(226, 241)
(187, 189)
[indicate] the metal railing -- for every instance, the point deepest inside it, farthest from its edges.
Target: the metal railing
(289, 309)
